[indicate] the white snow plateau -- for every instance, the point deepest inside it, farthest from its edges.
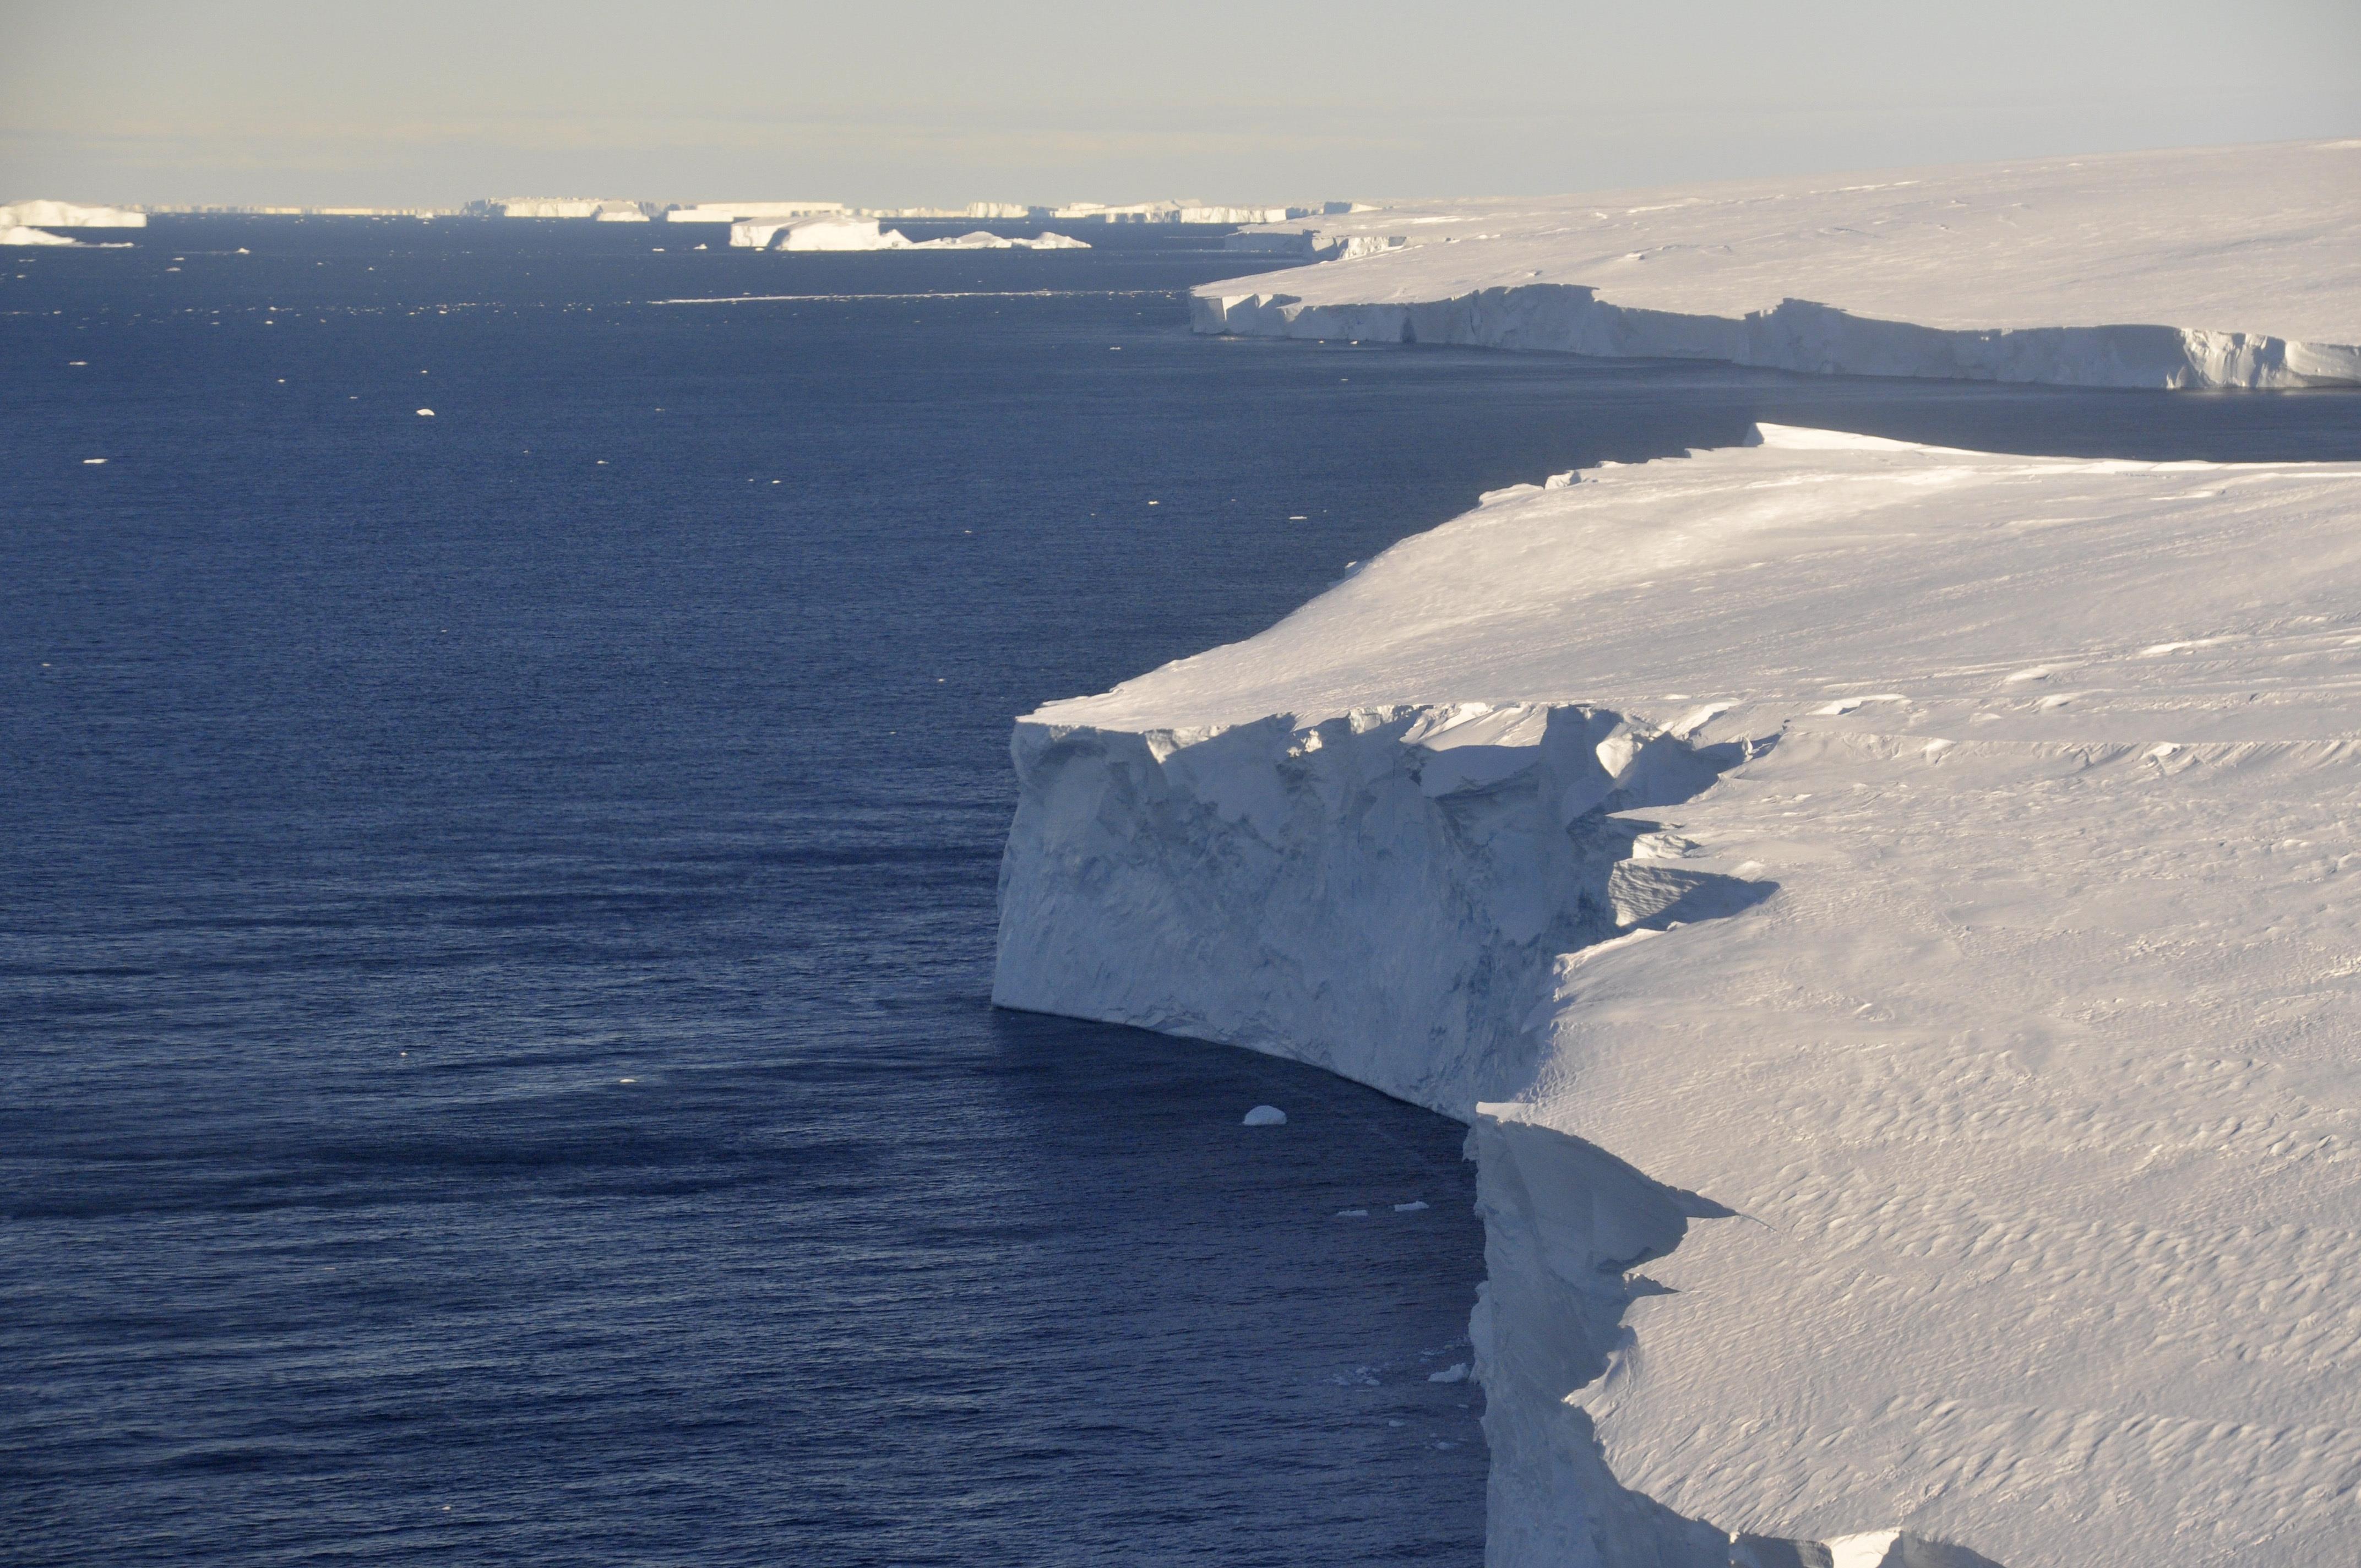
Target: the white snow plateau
(1891, 919)
(2234, 266)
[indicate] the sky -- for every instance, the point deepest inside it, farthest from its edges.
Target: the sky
(916, 101)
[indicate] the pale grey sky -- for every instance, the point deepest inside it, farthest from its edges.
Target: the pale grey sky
(906, 102)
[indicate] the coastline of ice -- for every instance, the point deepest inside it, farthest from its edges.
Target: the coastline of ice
(1887, 914)
(2213, 267)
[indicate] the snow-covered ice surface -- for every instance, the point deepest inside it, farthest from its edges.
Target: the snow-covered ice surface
(2221, 267)
(1892, 916)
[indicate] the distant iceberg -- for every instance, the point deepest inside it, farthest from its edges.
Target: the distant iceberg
(65, 215)
(19, 234)
(605, 210)
(814, 234)
(980, 240)
(867, 233)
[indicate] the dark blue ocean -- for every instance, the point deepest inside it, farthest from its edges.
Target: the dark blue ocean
(495, 908)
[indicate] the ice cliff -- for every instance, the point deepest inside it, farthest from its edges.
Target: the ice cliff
(1889, 916)
(2215, 268)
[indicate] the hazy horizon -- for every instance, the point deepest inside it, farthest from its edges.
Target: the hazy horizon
(267, 102)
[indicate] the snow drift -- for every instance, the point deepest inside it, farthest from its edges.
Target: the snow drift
(2218, 267)
(1888, 917)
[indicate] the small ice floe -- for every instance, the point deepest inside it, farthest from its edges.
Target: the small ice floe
(91, 461)
(1454, 1373)
(1412, 1207)
(426, 413)
(1352, 1213)
(1266, 1116)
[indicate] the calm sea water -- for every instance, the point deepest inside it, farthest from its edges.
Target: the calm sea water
(499, 906)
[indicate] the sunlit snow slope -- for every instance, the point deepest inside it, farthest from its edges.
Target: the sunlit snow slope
(2221, 266)
(1893, 918)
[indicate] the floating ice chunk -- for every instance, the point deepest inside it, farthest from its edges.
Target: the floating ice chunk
(426, 413)
(1266, 1116)
(1352, 1213)
(20, 234)
(91, 461)
(1412, 1207)
(1454, 1373)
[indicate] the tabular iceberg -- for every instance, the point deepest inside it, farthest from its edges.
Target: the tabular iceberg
(1889, 916)
(2217, 267)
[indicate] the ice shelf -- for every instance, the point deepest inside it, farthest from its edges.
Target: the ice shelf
(2216, 268)
(1890, 917)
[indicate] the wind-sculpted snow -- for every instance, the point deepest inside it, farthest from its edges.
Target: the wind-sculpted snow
(1889, 915)
(2220, 268)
